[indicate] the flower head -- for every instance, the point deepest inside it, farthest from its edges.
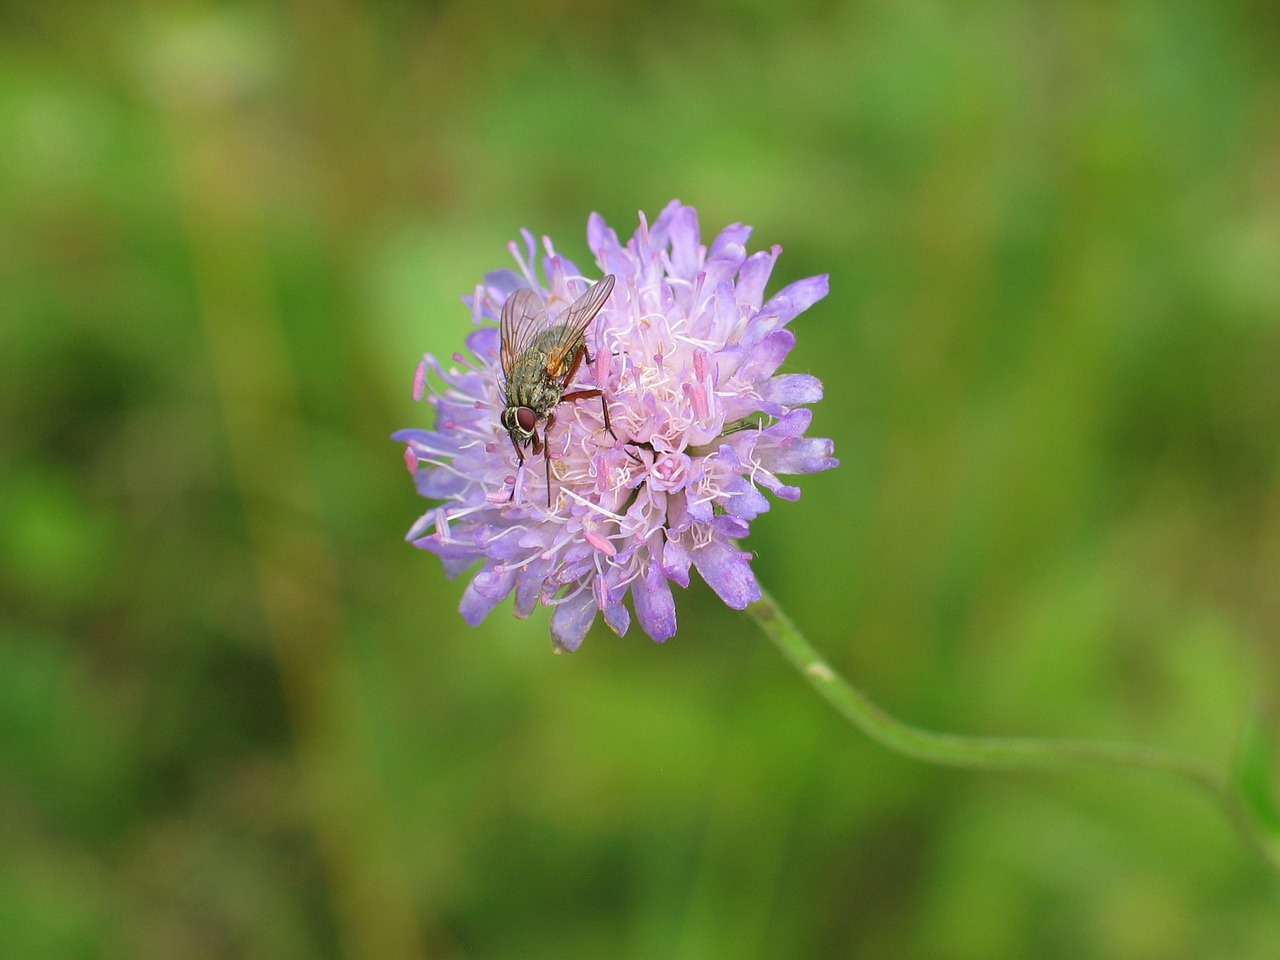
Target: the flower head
(685, 353)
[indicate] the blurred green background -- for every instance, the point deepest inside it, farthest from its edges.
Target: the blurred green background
(240, 717)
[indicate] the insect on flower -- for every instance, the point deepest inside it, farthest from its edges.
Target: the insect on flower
(706, 427)
(539, 360)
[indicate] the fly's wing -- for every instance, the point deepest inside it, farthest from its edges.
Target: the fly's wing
(573, 324)
(523, 317)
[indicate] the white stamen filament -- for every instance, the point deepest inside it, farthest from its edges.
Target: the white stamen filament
(594, 507)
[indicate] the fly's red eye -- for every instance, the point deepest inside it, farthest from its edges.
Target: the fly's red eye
(526, 419)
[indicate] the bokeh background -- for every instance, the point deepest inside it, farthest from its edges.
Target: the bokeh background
(240, 717)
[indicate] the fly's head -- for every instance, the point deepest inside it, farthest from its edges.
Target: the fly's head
(519, 422)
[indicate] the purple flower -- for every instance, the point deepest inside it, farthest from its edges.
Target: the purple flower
(686, 352)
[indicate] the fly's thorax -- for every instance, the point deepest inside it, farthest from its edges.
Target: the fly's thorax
(557, 355)
(528, 386)
(538, 375)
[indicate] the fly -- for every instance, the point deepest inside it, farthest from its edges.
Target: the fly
(540, 359)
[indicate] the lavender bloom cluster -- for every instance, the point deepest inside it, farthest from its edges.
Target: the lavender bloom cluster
(686, 352)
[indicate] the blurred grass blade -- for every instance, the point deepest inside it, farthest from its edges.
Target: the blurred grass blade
(1254, 777)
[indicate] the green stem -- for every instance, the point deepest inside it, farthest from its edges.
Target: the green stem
(999, 753)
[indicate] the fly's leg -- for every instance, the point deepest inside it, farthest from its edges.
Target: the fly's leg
(546, 452)
(643, 443)
(519, 464)
(604, 407)
(586, 394)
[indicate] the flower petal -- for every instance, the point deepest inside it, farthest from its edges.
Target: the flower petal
(675, 561)
(793, 389)
(796, 298)
(655, 606)
(438, 484)
(799, 455)
(484, 342)
(609, 253)
(727, 571)
(571, 620)
(735, 237)
(486, 590)
(753, 277)
(617, 617)
(742, 499)
(686, 244)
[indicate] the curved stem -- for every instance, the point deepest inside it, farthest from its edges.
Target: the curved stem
(998, 753)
